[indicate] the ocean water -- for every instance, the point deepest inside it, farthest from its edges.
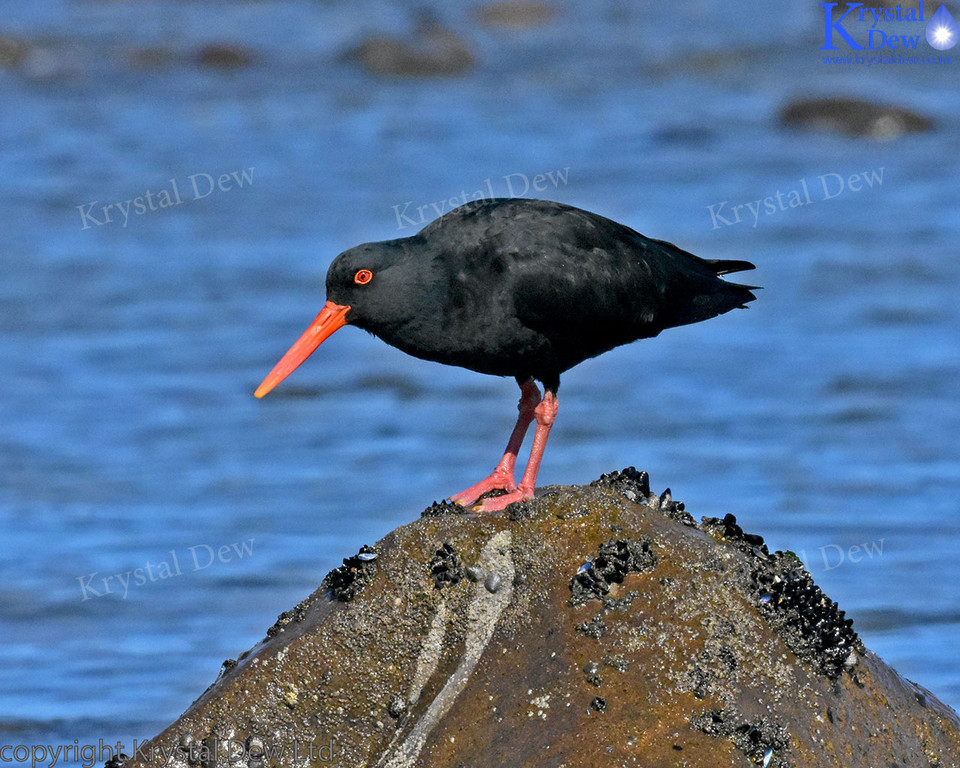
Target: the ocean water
(825, 417)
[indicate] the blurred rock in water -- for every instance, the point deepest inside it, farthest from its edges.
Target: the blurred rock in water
(515, 14)
(432, 50)
(152, 58)
(12, 51)
(223, 56)
(853, 117)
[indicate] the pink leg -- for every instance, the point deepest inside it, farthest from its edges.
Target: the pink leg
(502, 476)
(545, 414)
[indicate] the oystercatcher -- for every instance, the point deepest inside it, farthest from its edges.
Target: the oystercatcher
(522, 288)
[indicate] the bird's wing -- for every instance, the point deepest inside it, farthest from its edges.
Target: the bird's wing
(612, 286)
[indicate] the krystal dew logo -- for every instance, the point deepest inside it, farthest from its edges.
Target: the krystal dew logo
(942, 32)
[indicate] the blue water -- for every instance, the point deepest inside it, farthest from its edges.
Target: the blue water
(825, 417)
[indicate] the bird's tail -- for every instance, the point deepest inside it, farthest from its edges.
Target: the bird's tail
(726, 266)
(723, 295)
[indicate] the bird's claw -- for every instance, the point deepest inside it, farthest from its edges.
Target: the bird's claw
(499, 480)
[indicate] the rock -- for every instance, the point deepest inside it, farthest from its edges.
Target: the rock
(223, 56)
(42, 60)
(12, 51)
(153, 57)
(515, 14)
(853, 117)
(433, 50)
(214, 56)
(601, 627)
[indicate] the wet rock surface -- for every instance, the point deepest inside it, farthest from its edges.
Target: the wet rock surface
(599, 625)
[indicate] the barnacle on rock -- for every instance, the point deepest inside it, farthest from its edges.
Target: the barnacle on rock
(346, 581)
(633, 484)
(728, 530)
(445, 566)
(594, 628)
(443, 508)
(295, 614)
(811, 624)
(754, 740)
(613, 562)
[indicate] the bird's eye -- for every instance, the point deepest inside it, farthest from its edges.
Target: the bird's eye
(363, 276)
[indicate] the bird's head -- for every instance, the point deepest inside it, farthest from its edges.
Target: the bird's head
(365, 289)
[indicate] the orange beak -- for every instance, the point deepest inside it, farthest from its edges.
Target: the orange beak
(330, 319)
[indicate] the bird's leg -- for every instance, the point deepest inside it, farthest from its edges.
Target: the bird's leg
(545, 413)
(502, 477)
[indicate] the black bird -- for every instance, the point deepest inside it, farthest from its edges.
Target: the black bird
(522, 288)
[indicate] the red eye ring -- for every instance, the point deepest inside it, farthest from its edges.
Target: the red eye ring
(363, 276)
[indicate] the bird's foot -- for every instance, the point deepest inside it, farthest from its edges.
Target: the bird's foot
(499, 480)
(498, 503)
